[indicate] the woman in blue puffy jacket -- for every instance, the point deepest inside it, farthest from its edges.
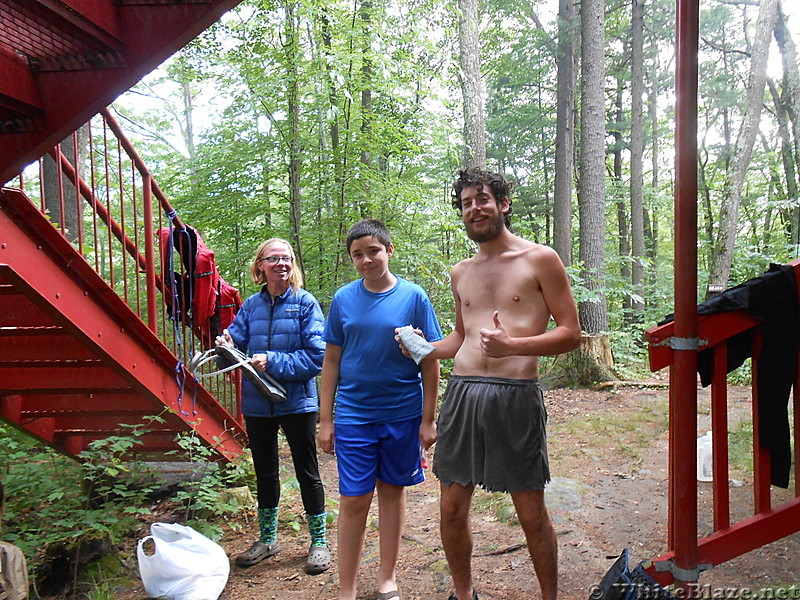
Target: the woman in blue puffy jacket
(280, 328)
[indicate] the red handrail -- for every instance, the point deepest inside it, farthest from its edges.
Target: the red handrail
(120, 191)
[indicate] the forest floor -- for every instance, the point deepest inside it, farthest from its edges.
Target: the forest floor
(608, 457)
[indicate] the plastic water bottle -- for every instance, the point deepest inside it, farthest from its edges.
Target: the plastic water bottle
(704, 458)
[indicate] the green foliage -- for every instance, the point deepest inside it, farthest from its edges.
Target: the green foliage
(367, 106)
(56, 500)
(202, 503)
(52, 500)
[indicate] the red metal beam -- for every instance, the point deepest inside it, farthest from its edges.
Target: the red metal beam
(96, 20)
(88, 424)
(19, 91)
(98, 402)
(63, 379)
(743, 537)
(17, 311)
(711, 330)
(52, 348)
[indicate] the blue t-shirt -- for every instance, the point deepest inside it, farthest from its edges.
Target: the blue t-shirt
(377, 383)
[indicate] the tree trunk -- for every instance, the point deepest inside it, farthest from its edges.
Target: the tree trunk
(722, 254)
(293, 108)
(66, 210)
(471, 89)
(623, 231)
(637, 153)
(791, 95)
(366, 101)
(591, 186)
(651, 218)
(565, 131)
(335, 150)
(791, 215)
(586, 366)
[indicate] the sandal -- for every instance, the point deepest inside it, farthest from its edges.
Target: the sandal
(474, 595)
(319, 560)
(388, 595)
(257, 552)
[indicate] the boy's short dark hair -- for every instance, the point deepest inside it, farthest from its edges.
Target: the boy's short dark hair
(369, 227)
(476, 176)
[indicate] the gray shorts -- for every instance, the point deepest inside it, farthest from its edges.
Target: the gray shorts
(492, 433)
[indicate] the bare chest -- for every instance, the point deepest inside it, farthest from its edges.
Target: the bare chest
(513, 291)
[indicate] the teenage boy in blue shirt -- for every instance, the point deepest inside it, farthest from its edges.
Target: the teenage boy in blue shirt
(385, 402)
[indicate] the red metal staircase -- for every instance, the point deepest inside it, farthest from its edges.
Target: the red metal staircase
(86, 342)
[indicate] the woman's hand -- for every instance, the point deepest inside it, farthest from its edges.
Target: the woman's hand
(259, 362)
(224, 340)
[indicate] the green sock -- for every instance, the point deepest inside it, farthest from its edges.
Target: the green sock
(317, 527)
(268, 524)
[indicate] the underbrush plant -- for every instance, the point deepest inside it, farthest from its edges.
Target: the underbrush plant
(203, 504)
(55, 501)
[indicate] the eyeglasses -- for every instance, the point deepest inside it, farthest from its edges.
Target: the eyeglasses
(276, 259)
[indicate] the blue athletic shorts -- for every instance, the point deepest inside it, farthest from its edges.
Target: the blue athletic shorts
(386, 451)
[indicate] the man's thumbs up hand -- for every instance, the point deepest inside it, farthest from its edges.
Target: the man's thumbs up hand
(496, 342)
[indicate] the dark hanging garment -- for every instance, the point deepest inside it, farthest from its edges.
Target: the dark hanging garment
(772, 300)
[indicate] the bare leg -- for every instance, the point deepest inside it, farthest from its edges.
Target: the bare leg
(541, 539)
(392, 512)
(454, 506)
(351, 531)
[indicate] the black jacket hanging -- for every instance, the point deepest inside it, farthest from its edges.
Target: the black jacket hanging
(771, 299)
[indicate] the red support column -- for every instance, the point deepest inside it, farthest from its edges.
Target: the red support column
(683, 389)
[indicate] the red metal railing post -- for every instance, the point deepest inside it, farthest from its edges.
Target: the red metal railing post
(683, 389)
(149, 253)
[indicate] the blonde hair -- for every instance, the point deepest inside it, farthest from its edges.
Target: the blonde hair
(295, 277)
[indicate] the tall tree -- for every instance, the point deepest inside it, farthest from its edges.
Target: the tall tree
(722, 256)
(637, 156)
(591, 183)
(623, 219)
(60, 195)
(291, 45)
(789, 106)
(471, 88)
(565, 130)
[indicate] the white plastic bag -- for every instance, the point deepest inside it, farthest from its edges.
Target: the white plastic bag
(186, 565)
(705, 460)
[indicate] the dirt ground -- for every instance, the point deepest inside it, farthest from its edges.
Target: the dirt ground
(608, 453)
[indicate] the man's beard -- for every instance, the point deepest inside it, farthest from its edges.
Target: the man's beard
(492, 232)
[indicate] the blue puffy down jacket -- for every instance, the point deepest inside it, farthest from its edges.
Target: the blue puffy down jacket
(289, 330)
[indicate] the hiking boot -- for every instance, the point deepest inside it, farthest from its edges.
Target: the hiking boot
(257, 552)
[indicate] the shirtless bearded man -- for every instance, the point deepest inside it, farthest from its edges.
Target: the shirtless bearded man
(492, 423)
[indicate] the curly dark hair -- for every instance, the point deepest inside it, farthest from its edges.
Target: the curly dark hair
(476, 176)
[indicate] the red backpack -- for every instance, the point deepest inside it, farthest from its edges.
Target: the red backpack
(194, 293)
